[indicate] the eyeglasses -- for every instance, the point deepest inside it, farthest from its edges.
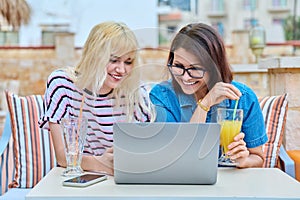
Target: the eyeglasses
(193, 71)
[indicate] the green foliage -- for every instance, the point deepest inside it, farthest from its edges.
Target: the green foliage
(162, 39)
(289, 30)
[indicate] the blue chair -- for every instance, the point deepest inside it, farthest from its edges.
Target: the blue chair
(286, 163)
(6, 161)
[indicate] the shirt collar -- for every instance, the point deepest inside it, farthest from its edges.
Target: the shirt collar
(186, 99)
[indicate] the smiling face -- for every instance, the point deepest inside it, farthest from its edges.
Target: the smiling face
(188, 84)
(117, 69)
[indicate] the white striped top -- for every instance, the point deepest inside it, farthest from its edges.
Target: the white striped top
(63, 99)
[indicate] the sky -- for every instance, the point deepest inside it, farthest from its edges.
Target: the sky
(82, 15)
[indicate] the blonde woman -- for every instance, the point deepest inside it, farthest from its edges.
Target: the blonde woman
(106, 79)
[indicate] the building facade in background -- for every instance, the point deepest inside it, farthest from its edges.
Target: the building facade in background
(228, 16)
(154, 21)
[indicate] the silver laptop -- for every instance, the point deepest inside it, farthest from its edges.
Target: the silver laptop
(166, 153)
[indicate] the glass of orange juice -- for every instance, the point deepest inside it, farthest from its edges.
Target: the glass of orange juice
(231, 122)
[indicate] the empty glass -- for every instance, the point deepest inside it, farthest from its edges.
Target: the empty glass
(74, 136)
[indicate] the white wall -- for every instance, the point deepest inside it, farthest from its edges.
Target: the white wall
(82, 15)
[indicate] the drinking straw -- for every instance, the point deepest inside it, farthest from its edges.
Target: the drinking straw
(235, 108)
(81, 106)
(80, 111)
(78, 125)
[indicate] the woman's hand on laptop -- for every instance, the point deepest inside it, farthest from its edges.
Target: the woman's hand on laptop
(106, 161)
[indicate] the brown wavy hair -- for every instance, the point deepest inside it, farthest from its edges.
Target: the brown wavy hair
(204, 42)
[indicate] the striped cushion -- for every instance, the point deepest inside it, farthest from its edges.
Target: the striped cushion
(274, 109)
(34, 153)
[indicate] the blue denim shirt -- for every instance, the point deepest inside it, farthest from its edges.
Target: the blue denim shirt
(175, 106)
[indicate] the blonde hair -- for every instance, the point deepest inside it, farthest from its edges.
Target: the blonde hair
(107, 39)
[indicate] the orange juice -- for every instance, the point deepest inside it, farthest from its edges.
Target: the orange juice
(229, 129)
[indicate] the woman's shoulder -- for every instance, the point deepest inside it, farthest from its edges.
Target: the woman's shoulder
(248, 97)
(165, 86)
(244, 89)
(59, 75)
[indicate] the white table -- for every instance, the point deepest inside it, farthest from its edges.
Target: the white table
(258, 183)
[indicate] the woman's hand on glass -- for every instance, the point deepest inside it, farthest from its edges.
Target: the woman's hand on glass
(238, 150)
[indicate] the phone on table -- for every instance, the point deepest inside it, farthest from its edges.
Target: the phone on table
(85, 180)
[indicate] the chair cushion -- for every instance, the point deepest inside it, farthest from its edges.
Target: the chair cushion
(295, 155)
(33, 150)
(274, 109)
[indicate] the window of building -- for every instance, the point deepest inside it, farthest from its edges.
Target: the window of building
(49, 31)
(250, 5)
(180, 4)
(278, 21)
(9, 38)
(217, 5)
(250, 22)
(219, 27)
(8, 35)
(279, 3)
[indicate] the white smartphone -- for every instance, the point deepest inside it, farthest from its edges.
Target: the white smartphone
(85, 180)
